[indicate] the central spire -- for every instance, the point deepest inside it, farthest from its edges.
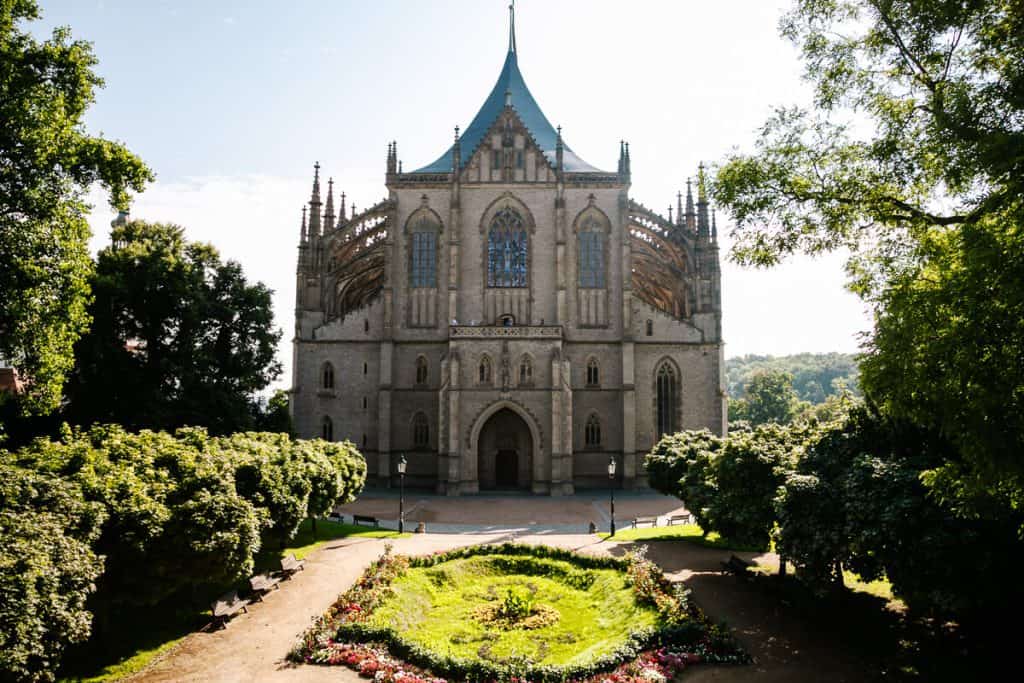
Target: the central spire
(512, 27)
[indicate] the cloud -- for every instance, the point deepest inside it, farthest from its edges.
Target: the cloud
(254, 219)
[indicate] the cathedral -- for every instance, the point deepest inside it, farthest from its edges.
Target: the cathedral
(507, 318)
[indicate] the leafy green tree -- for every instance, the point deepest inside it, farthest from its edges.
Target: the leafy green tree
(913, 159)
(336, 472)
(178, 338)
(682, 465)
(275, 414)
(814, 374)
(47, 570)
(770, 398)
(49, 163)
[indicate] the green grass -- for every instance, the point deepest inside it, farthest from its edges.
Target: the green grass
(134, 642)
(690, 533)
(432, 607)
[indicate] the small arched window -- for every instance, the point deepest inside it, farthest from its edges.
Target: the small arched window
(507, 250)
(420, 431)
(592, 432)
(366, 326)
(667, 399)
(484, 373)
(327, 376)
(327, 429)
(421, 370)
(364, 403)
(525, 371)
(593, 373)
(366, 368)
(650, 327)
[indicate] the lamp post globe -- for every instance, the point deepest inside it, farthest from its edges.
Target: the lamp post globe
(611, 490)
(401, 494)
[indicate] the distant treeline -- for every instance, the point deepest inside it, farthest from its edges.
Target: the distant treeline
(815, 375)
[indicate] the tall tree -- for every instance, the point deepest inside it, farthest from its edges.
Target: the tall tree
(769, 398)
(912, 158)
(47, 164)
(179, 338)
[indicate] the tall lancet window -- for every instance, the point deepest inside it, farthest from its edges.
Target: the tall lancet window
(667, 399)
(423, 254)
(507, 250)
(591, 254)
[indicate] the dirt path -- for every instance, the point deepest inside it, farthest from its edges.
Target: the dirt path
(253, 646)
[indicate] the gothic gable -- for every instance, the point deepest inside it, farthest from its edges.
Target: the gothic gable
(508, 153)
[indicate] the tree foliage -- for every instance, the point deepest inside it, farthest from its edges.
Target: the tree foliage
(47, 571)
(913, 159)
(816, 376)
(769, 398)
(187, 338)
(681, 465)
(48, 162)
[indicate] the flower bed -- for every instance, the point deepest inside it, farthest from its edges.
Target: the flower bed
(530, 613)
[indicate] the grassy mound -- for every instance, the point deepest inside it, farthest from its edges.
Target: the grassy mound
(499, 612)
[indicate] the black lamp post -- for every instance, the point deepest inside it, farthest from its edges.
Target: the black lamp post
(401, 494)
(611, 489)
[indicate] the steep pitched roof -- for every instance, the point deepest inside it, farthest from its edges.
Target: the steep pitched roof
(511, 81)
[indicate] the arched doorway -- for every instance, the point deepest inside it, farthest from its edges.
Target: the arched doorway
(505, 452)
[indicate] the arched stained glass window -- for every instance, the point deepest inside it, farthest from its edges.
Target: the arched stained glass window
(420, 431)
(591, 259)
(507, 250)
(327, 429)
(423, 247)
(667, 399)
(592, 432)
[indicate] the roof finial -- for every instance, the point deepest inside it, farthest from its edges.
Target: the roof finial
(512, 27)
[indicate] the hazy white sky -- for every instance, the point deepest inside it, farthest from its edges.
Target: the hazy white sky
(231, 103)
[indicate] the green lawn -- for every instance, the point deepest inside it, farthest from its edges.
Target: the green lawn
(433, 608)
(136, 640)
(686, 532)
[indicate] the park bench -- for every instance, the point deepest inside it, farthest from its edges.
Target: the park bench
(226, 606)
(680, 519)
(649, 521)
(289, 565)
(335, 517)
(263, 583)
(365, 520)
(738, 566)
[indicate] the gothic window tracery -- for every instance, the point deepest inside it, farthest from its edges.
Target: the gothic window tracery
(667, 399)
(591, 255)
(423, 272)
(327, 376)
(592, 431)
(327, 429)
(420, 431)
(593, 373)
(507, 250)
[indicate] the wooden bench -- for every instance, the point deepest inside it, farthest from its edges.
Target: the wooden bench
(680, 519)
(365, 520)
(263, 583)
(738, 566)
(649, 521)
(226, 606)
(289, 565)
(335, 517)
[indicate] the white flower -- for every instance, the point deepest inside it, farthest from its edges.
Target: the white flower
(652, 675)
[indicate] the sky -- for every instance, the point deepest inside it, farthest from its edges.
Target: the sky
(231, 103)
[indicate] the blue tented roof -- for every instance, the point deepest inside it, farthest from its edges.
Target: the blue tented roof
(510, 80)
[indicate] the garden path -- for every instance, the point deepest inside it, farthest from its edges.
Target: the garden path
(253, 646)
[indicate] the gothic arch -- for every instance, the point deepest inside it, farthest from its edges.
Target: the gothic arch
(525, 370)
(473, 435)
(507, 200)
(590, 218)
(673, 411)
(423, 218)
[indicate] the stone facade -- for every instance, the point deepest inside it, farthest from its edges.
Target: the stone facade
(507, 317)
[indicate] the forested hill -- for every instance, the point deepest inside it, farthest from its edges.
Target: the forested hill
(815, 375)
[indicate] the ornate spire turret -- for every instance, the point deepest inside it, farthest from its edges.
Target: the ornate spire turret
(703, 224)
(392, 157)
(559, 152)
(670, 214)
(303, 237)
(691, 215)
(512, 27)
(342, 216)
(679, 208)
(629, 165)
(314, 204)
(329, 210)
(456, 153)
(622, 157)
